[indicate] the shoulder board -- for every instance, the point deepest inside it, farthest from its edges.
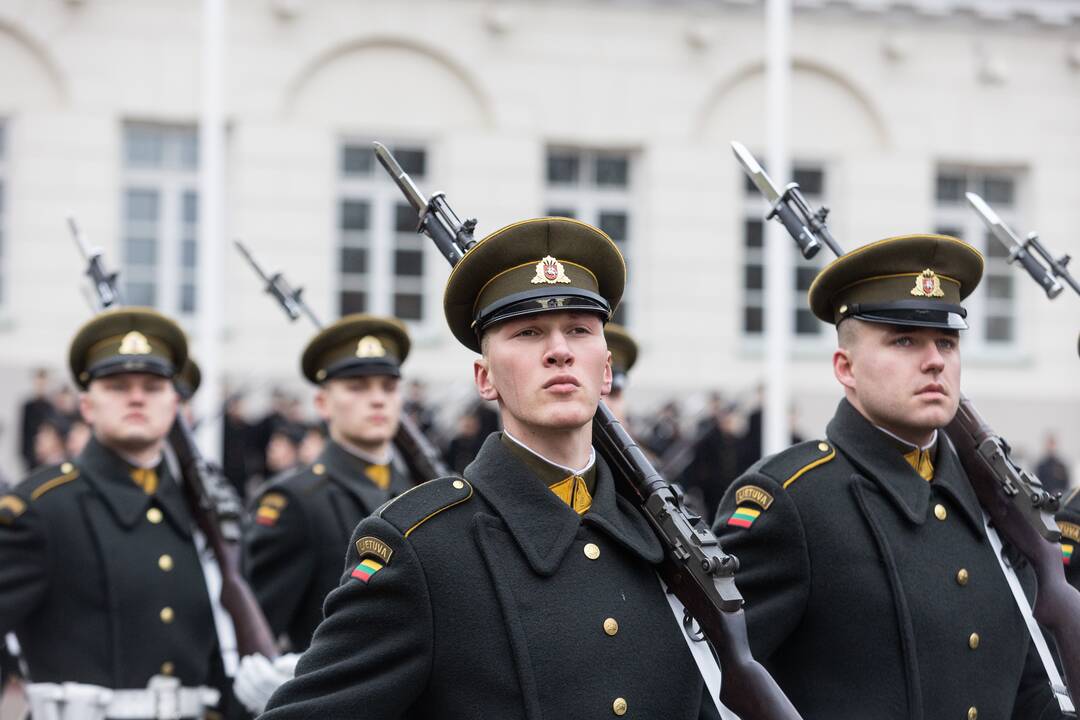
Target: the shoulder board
(47, 480)
(788, 466)
(416, 506)
(11, 507)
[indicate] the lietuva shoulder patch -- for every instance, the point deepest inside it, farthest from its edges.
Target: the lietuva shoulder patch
(416, 506)
(788, 466)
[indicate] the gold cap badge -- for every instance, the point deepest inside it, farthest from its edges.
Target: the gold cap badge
(370, 346)
(550, 271)
(927, 284)
(134, 343)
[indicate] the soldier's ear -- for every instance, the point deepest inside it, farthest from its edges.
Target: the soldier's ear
(86, 408)
(321, 404)
(485, 383)
(843, 367)
(605, 388)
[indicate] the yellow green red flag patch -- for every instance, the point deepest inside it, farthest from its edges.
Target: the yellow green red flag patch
(1066, 553)
(366, 569)
(744, 516)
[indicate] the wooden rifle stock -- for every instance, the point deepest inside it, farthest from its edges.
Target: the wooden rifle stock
(1022, 511)
(217, 510)
(698, 571)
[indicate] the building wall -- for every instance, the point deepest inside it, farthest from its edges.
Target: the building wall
(879, 100)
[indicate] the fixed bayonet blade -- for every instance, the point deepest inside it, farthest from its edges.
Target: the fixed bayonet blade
(755, 171)
(412, 193)
(1001, 231)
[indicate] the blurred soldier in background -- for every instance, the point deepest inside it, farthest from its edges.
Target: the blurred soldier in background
(100, 576)
(34, 412)
(624, 352)
(1051, 470)
(302, 523)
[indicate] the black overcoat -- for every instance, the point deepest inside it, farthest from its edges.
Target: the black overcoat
(496, 600)
(872, 593)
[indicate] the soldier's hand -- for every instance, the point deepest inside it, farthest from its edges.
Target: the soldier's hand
(257, 678)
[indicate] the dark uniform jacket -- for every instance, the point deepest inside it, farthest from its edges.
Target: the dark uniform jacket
(300, 529)
(488, 597)
(102, 583)
(872, 593)
(1068, 519)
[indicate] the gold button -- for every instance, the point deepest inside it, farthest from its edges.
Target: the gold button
(66, 468)
(154, 515)
(167, 668)
(619, 706)
(939, 512)
(458, 484)
(611, 626)
(823, 447)
(166, 615)
(843, 309)
(962, 577)
(165, 563)
(318, 468)
(973, 641)
(973, 713)
(592, 551)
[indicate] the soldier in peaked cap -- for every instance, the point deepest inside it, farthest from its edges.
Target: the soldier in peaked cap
(100, 578)
(871, 588)
(624, 352)
(526, 587)
(302, 522)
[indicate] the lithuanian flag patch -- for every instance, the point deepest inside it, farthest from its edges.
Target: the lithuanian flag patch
(1066, 553)
(366, 569)
(743, 516)
(270, 507)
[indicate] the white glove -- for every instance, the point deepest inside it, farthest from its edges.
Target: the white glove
(257, 678)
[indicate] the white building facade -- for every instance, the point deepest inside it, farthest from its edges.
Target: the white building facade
(618, 113)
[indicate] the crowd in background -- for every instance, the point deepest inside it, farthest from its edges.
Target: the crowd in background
(703, 452)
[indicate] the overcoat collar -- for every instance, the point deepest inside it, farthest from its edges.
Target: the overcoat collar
(347, 472)
(110, 476)
(542, 525)
(876, 456)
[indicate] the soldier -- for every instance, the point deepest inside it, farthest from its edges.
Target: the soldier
(302, 522)
(871, 588)
(526, 587)
(624, 352)
(100, 578)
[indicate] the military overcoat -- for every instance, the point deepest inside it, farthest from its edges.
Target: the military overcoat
(300, 528)
(488, 597)
(1068, 520)
(100, 581)
(872, 593)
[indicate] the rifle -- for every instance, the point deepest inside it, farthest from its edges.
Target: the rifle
(695, 567)
(212, 501)
(416, 449)
(1020, 508)
(1027, 253)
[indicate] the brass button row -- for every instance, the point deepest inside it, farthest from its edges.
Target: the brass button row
(962, 577)
(592, 551)
(939, 512)
(166, 615)
(973, 641)
(619, 706)
(973, 713)
(165, 562)
(154, 515)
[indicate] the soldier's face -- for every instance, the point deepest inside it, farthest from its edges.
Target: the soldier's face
(904, 379)
(547, 371)
(131, 411)
(363, 411)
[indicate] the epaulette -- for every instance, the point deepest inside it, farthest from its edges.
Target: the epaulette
(791, 464)
(416, 506)
(11, 507)
(47, 480)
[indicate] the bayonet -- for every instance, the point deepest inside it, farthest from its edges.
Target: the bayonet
(1018, 251)
(289, 299)
(105, 283)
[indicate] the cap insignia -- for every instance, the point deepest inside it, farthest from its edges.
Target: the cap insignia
(927, 284)
(550, 271)
(369, 347)
(134, 343)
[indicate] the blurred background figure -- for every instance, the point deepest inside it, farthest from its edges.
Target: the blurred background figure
(236, 439)
(35, 410)
(313, 443)
(50, 441)
(624, 352)
(466, 442)
(283, 449)
(78, 435)
(416, 406)
(665, 431)
(1051, 470)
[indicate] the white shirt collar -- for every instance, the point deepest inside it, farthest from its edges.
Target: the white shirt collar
(569, 471)
(927, 446)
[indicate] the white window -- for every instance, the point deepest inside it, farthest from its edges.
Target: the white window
(992, 307)
(160, 209)
(811, 180)
(381, 257)
(594, 186)
(3, 213)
